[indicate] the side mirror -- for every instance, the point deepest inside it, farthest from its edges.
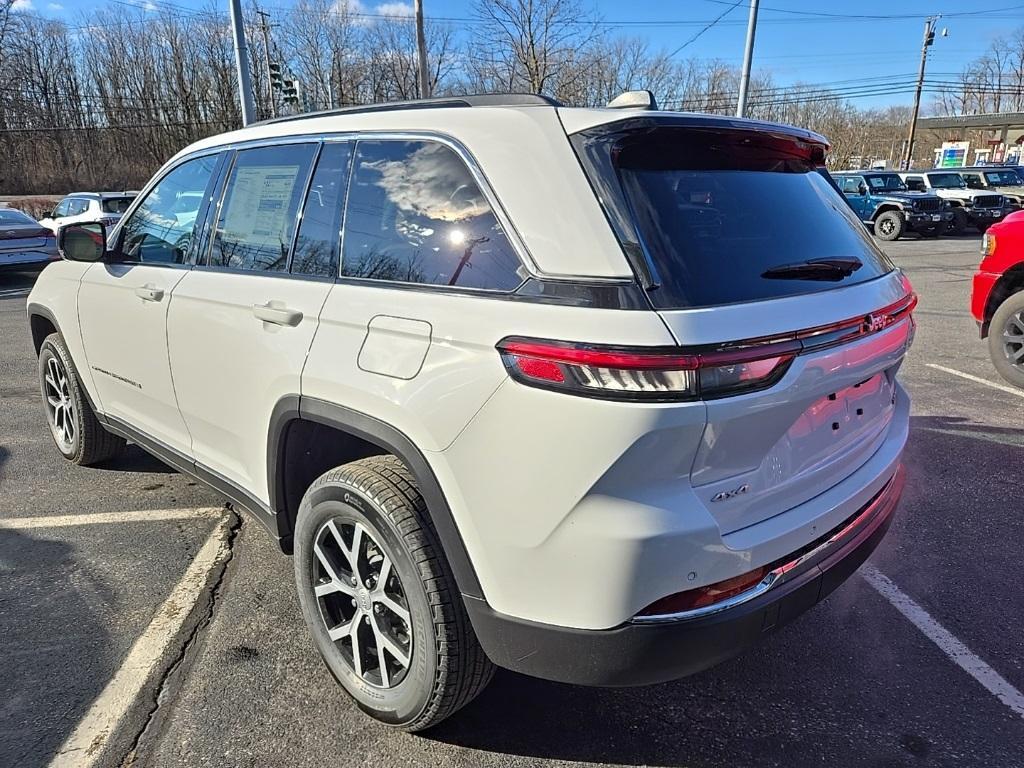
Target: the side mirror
(862, 189)
(82, 242)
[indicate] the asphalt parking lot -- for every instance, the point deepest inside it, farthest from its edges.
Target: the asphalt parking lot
(916, 661)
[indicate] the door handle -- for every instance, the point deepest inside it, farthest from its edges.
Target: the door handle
(275, 312)
(149, 292)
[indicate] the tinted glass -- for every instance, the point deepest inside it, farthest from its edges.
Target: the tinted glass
(115, 204)
(916, 184)
(851, 184)
(416, 215)
(77, 206)
(946, 181)
(729, 217)
(261, 203)
(888, 182)
(318, 245)
(1003, 178)
(161, 228)
(62, 208)
(10, 216)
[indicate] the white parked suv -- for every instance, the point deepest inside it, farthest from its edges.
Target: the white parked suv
(519, 385)
(88, 208)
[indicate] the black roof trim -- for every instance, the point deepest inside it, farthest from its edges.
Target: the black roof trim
(444, 102)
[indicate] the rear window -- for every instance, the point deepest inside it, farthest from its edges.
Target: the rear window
(115, 204)
(726, 216)
(1003, 178)
(11, 217)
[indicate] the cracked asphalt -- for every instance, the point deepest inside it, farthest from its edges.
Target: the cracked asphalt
(851, 683)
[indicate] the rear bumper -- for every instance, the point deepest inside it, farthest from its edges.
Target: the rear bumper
(646, 653)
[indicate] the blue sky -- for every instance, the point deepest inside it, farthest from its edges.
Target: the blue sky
(798, 40)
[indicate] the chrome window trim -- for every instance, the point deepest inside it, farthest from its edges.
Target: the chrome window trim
(518, 245)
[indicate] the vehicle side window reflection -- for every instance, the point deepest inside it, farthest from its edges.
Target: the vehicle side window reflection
(161, 228)
(318, 245)
(415, 214)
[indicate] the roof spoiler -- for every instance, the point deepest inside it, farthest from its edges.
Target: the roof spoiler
(634, 100)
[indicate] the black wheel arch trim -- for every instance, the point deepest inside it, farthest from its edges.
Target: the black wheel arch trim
(38, 310)
(390, 439)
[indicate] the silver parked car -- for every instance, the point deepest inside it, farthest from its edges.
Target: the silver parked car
(24, 243)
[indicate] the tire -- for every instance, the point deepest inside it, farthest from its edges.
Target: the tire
(889, 226)
(1008, 322)
(446, 668)
(75, 430)
(959, 223)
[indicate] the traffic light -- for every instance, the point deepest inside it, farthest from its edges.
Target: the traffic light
(290, 91)
(276, 79)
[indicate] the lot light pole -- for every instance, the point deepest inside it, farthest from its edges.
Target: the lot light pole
(929, 38)
(748, 56)
(421, 52)
(242, 64)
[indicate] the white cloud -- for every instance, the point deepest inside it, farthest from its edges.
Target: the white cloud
(394, 9)
(22, 5)
(55, 7)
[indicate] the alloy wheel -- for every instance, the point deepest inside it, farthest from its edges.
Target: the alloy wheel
(888, 227)
(1013, 339)
(362, 602)
(60, 408)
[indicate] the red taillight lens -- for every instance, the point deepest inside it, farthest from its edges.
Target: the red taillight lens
(704, 596)
(644, 374)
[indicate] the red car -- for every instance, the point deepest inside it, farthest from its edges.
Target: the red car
(997, 296)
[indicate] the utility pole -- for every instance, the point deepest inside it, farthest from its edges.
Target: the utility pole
(265, 26)
(242, 64)
(929, 38)
(421, 50)
(748, 55)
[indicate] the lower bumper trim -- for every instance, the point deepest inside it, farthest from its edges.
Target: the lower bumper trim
(648, 653)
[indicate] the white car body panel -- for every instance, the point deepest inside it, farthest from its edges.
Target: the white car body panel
(231, 368)
(125, 338)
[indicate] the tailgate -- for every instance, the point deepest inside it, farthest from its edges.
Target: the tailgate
(765, 452)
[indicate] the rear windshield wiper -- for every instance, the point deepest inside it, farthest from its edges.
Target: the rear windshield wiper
(815, 269)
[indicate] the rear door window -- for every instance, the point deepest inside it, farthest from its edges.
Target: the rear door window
(729, 216)
(318, 245)
(261, 202)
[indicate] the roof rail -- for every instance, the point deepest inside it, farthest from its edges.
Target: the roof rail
(473, 100)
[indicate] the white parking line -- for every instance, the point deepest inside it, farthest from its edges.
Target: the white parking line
(99, 518)
(976, 379)
(959, 653)
(85, 745)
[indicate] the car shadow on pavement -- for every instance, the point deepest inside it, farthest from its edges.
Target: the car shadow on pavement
(54, 647)
(134, 459)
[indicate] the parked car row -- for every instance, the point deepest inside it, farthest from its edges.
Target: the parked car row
(27, 244)
(932, 202)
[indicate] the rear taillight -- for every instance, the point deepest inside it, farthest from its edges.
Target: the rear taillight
(665, 374)
(702, 597)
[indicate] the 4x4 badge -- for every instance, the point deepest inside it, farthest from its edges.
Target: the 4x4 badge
(723, 495)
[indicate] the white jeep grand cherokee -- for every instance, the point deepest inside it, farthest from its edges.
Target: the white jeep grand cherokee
(598, 395)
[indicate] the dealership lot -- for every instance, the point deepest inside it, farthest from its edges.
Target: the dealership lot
(166, 630)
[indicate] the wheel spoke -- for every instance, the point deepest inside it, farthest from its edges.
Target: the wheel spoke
(382, 663)
(1015, 355)
(343, 630)
(383, 639)
(353, 554)
(392, 605)
(333, 586)
(52, 383)
(54, 401)
(357, 648)
(327, 565)
(385, 573)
